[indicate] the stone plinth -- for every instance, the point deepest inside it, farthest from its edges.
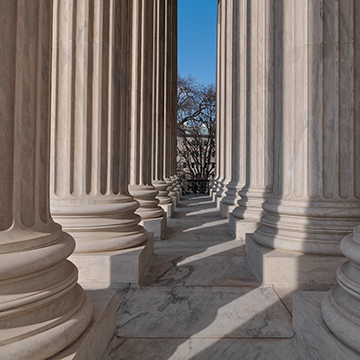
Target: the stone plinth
(156, 226)
(169, 210)
(284, 269)
(111, 268)
(226, 209)
(240, 227)
(313, 337)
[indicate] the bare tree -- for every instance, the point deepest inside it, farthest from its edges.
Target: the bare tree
(196, 122)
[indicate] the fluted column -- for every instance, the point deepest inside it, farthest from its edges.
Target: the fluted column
(259, 111)
(216, 180)
(316, 193)
(158, 156)
(141, 110)
(40, 299)
(174, 64)
(221, 89)
(341, 306)
(90, 125)
(236, 125)
(169, 116)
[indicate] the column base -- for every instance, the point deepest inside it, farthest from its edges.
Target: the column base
(239, 227)
(313, 337)
(156, 226)
(283, 269)
(115, 267)
(226, 209)
(93, 342)
(169, 210)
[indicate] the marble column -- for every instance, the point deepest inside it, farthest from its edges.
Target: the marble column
(43, 309)
(223, 108)
(159, 144)
(90, 126)
(174, 67)
(236, 124)
(341, 306)
(216, 179)
(169, 116)
(259, 112)
(140, 186)
(316, 195)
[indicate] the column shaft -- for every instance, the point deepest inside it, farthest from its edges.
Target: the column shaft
(40, 299)
(141, 109)
(316, 195)
(237, 115)
(221, 100)
(215, 186)
(159, 143)
(341, 305)
(169, 118)
(90, 125)
(258, 109)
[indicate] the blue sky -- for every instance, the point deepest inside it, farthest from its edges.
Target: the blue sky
(197, 39)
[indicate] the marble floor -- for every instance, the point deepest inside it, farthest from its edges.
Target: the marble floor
(200, 300)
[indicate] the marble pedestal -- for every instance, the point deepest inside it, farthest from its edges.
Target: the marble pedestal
(226, 209)
(284, 269)
(92, 344)
(217, 201)
(239, 228)
(313, 337)
(169, 209)
(114, 267)
(156, 226)
(179, 195)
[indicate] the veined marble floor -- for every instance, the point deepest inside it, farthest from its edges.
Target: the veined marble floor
(200, 300)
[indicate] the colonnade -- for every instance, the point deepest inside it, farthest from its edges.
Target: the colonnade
(88, 101)
(294, 80)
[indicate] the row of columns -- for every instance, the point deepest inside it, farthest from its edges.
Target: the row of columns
(293, 120)
(88, 101)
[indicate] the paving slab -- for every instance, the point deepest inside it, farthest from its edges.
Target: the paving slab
(194, 271)
(201, 349)
(203, 312)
